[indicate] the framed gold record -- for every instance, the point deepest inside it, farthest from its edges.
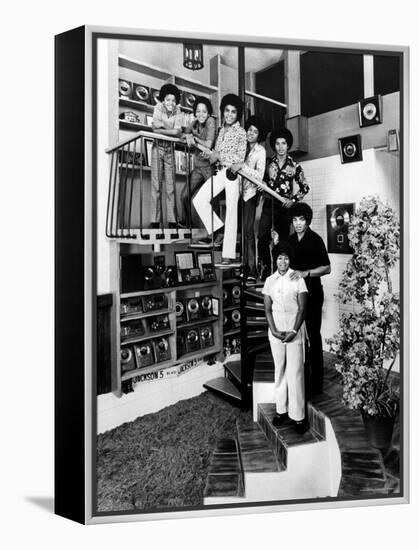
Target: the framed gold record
(370, 111)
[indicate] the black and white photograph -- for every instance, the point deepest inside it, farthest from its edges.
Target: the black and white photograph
(294, 392)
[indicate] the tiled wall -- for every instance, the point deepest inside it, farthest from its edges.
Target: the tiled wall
(332, 182)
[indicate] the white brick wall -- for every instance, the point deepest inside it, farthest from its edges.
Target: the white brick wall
(332, 182)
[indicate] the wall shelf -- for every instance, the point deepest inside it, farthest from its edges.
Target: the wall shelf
(177, 288)
(198, 322)
(148, 336)
(133, 316)
(198, 354)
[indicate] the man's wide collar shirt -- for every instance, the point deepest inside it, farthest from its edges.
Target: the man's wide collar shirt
(281, 179)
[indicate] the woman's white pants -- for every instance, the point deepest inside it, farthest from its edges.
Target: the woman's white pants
(289, 377)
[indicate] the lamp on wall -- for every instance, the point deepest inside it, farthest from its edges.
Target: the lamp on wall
(193, 58)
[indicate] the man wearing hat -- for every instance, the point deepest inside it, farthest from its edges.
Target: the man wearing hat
(283, 175)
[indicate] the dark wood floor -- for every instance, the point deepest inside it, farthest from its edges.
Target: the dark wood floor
(364, 469)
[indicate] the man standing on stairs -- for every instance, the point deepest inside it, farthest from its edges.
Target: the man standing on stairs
(310, 262)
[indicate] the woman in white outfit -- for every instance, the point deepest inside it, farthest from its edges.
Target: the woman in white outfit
(230, 149)
(285, 306)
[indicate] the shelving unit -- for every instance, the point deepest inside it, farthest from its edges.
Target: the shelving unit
(179, 292)
(154, 77)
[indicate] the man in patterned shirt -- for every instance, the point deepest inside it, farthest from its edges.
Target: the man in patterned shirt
(230, 149)
(283, 174)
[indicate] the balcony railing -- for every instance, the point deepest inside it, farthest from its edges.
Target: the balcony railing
(127, 218)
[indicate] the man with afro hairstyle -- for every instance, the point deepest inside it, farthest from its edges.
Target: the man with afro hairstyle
(230, 149)
(310, 261)
(282, 175)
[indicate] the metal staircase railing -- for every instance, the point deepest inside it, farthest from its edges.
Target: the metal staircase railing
(125, 216)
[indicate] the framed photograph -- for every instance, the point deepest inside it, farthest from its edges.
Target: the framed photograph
(184, 260)
(370, 111)
(189, 276)
(204, 258)
(141, 409)
(339, 217)
(350, 149)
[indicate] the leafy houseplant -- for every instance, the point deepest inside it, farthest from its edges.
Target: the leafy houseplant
(368, 339)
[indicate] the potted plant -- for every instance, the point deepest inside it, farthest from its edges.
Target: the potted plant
(368, 339)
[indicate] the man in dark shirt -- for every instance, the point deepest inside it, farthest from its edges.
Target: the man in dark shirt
(310, 261)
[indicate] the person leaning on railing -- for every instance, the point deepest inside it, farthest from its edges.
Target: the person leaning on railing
(201, 131)
(254, 166)
(167, 120)
(230, 148)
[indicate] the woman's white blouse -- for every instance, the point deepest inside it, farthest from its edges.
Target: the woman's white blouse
(284, 295)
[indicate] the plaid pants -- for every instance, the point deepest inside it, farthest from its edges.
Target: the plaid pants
(162, 170)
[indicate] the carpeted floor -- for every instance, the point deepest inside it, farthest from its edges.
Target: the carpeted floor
(161, 460)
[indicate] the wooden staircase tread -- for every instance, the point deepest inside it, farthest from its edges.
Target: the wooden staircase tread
(225, 477)
(286, 432)
(224, 463)
(260, 462)
(258, 347)
(257, 334)
(256, 322)
(224, 485)
(223, 386)
(253, 293)
(350, 486)
(235, 369)
(226, 445)
(254, 306)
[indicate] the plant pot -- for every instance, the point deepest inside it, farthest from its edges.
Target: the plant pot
(379, 430)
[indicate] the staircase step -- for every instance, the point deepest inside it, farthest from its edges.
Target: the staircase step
(251, 334)
(284, 437)
(234, 368)
(256, 322)
(254, 293)
(264, 367)
(225, 387)
(256, 452)
(257, 348)
(253, 306)
(225, 478)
